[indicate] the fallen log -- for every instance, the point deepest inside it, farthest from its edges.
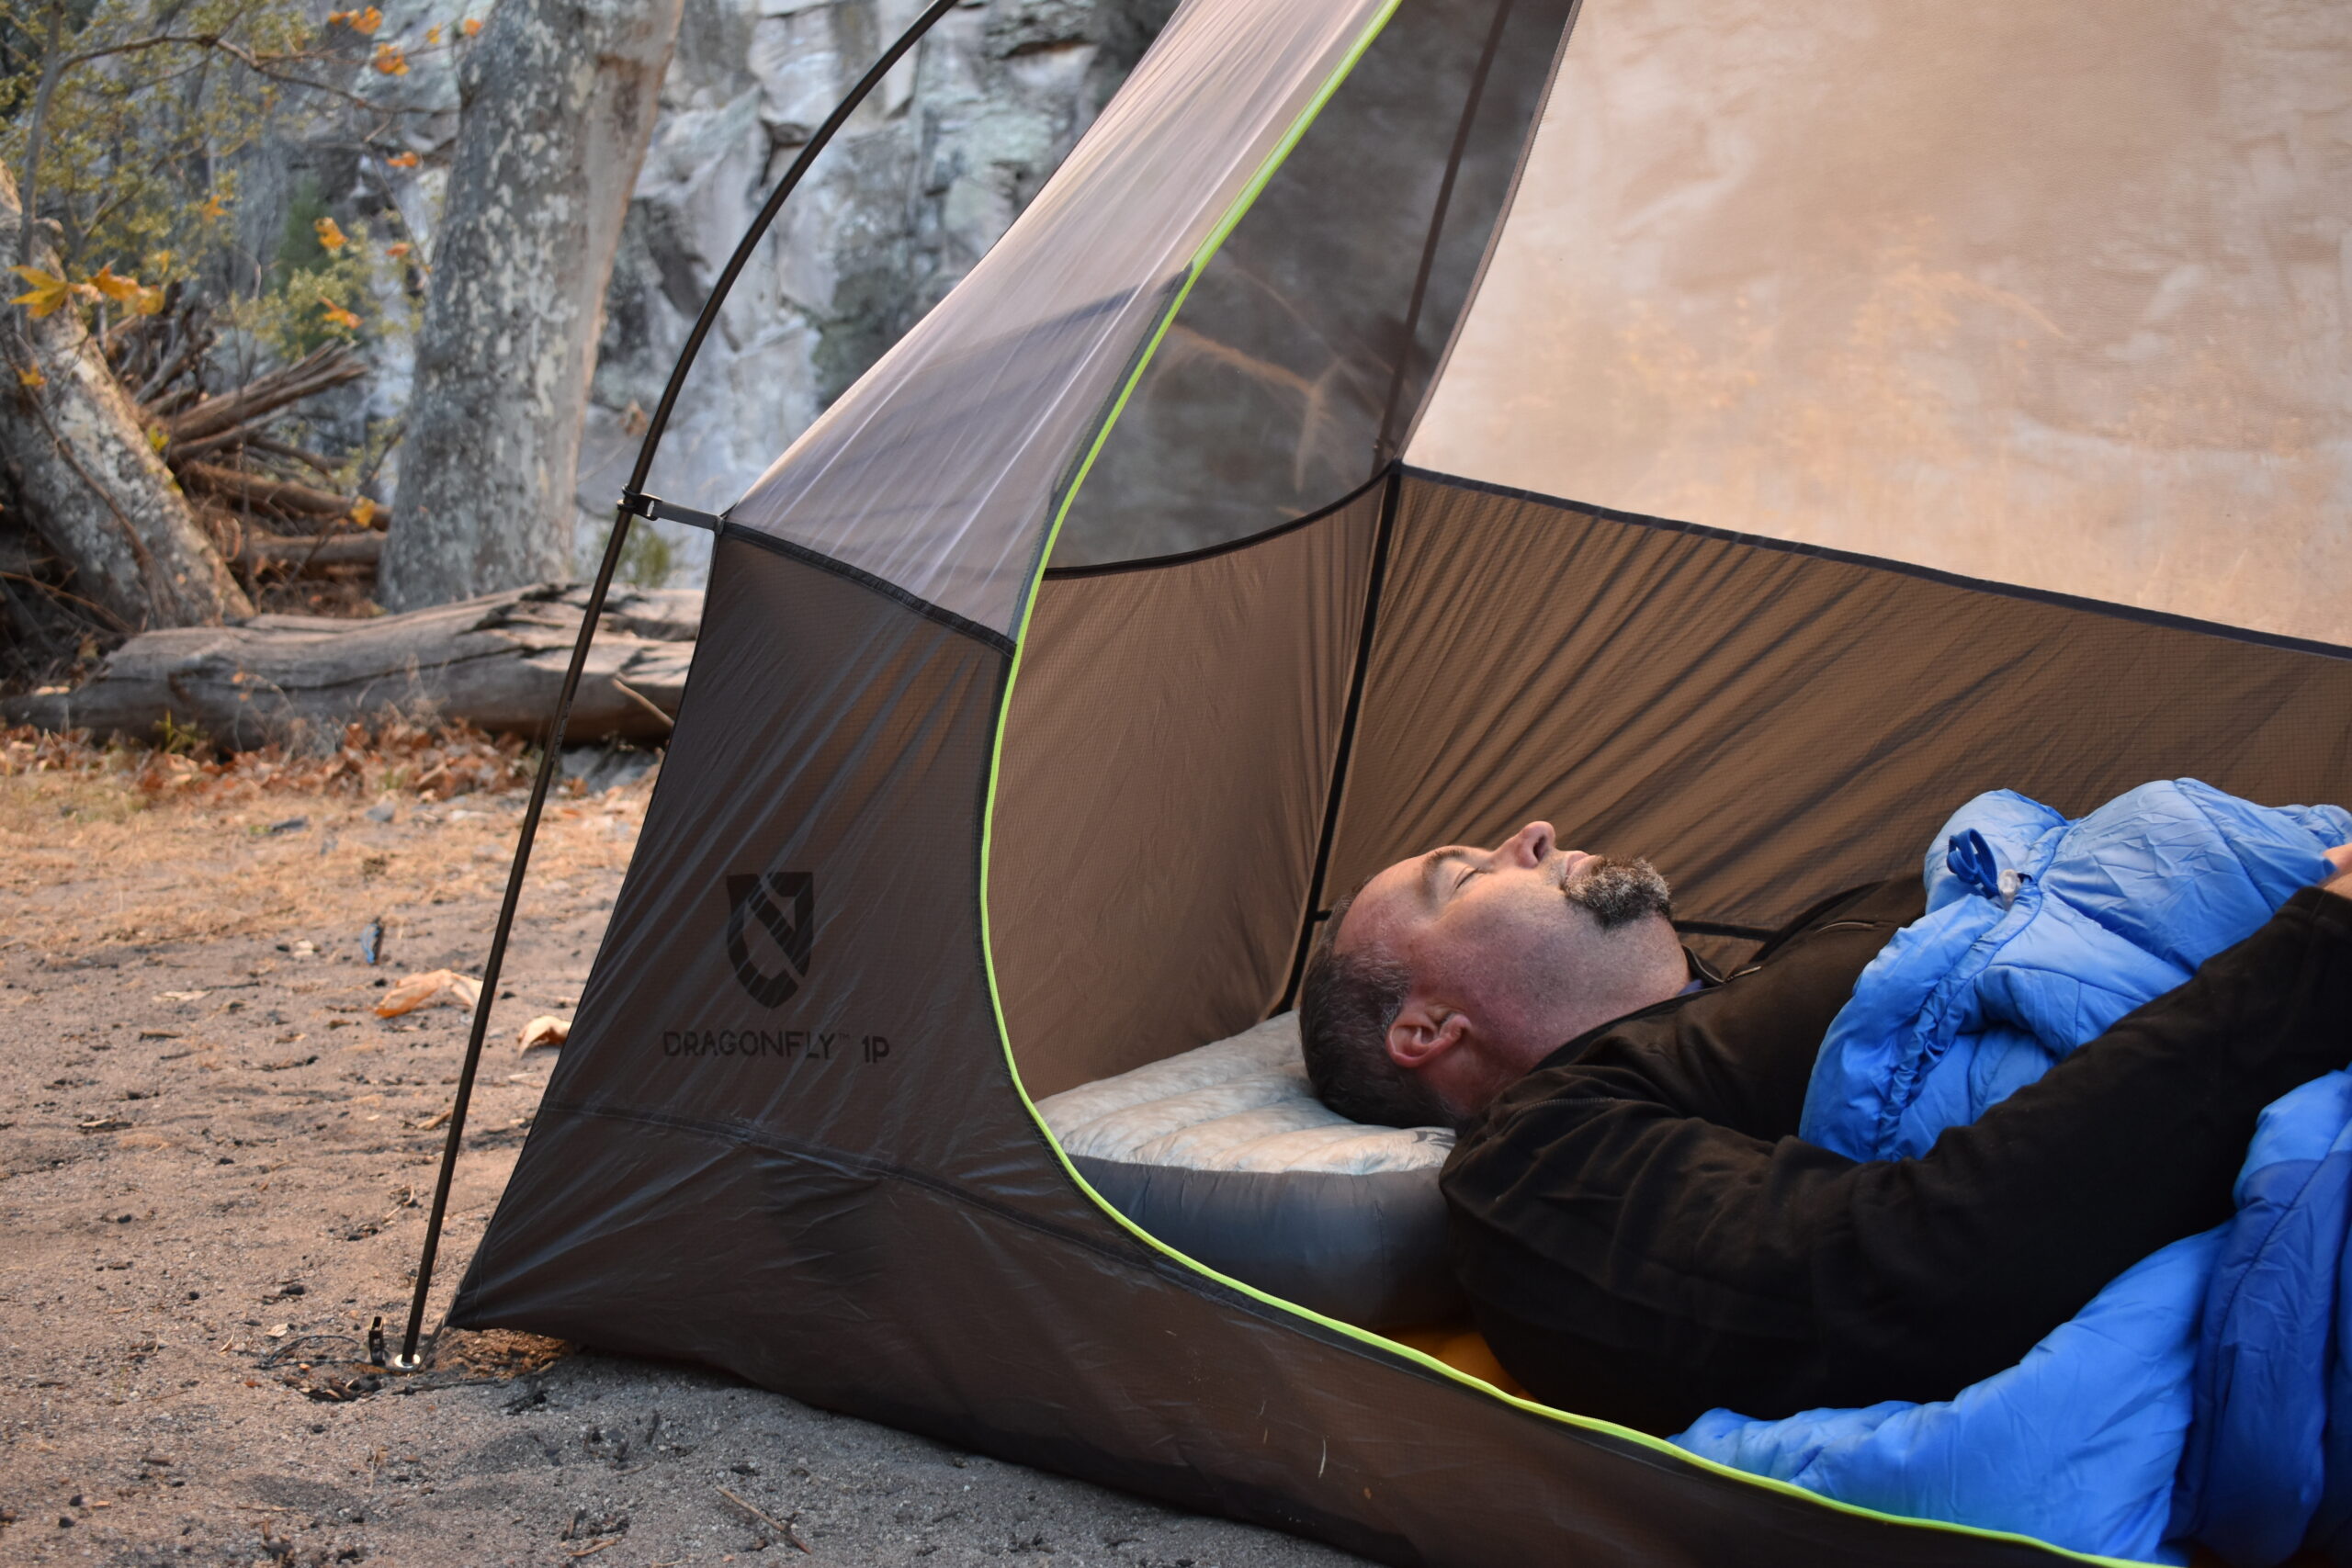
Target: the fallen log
(301, 553)
(495, 662)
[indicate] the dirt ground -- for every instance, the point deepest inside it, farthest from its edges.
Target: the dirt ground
(212, 1161)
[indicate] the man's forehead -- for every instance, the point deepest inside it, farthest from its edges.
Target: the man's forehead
(1393, 902)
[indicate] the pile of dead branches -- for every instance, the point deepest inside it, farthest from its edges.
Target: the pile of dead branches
(266, 500)
(256, 508)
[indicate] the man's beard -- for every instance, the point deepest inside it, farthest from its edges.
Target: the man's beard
(1620, 891)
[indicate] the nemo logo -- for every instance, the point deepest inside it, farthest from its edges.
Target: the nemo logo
(784, 904)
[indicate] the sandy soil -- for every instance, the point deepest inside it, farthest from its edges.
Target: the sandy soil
(212, 1156)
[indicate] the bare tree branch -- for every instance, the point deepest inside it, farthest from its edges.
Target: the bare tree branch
(38, 127)
(256, 489)
(330, 366)
(260, 65)
(309, 459)
(113, 620)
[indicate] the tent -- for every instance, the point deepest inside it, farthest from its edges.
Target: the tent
(1737, 432)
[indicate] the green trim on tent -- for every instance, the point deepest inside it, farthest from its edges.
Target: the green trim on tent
(1365, 1338)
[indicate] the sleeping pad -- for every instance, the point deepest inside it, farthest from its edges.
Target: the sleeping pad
(2190, 1401)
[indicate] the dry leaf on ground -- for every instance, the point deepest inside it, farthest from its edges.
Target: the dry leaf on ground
(433, 761)
(544, 1030)
(435, 987)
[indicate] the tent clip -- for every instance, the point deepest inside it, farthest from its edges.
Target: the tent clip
(654, 509)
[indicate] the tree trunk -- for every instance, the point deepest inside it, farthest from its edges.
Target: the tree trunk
(557, 100)
(496, 662)
(88, 479)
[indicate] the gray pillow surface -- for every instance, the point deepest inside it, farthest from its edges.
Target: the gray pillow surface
(1224, 1154)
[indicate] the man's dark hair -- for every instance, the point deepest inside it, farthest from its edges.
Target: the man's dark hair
(1346, 1002)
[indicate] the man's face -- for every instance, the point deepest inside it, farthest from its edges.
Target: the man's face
(1508, 936)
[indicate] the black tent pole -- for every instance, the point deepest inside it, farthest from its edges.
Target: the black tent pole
(1382, 444)
(634, 502)
(1388, 459)
(1344, 753)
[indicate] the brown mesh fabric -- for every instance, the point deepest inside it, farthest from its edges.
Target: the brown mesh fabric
(1165, 763)
(1315, 329)
(2055, 295)
(1769, 725)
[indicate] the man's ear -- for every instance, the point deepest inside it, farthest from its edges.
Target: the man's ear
(1422, 1032)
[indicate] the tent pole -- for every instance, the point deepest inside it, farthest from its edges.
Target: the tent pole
(550, 755)
(550, 758)
(758, 231)
(1383, 445)
(1383, 452)
(1341, 754)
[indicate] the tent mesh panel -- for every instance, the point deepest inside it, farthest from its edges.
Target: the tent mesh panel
(1323, 316)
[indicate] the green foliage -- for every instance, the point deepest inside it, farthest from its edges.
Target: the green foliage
(298, 244)
(360, 467)
(648, 559)
(153, 106)
(318, 292)
(140, 133)
(176, 739)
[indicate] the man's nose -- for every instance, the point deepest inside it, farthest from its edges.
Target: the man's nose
(1529, 846)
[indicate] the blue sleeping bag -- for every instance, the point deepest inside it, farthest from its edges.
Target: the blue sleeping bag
(2190, 1401)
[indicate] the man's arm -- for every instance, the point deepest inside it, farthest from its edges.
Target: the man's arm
(1631, 1260)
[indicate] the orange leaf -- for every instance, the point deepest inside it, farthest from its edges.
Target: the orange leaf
(215, 205)
(331, 234)
(403, 159)
(397, 249)
(433, 34)
(106, 281)
(143, 300)
(338, 315)
(389, 62)
(32, 378)
(470, 25)
(360, 22)
(363, 513)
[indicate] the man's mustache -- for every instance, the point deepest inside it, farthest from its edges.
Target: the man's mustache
(1618, 890)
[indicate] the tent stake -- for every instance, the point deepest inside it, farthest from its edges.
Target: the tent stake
(408, 1361)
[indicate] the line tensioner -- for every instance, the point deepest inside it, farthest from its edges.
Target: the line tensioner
(654, 509)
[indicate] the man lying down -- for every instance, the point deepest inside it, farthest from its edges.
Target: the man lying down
(1643, 1230)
